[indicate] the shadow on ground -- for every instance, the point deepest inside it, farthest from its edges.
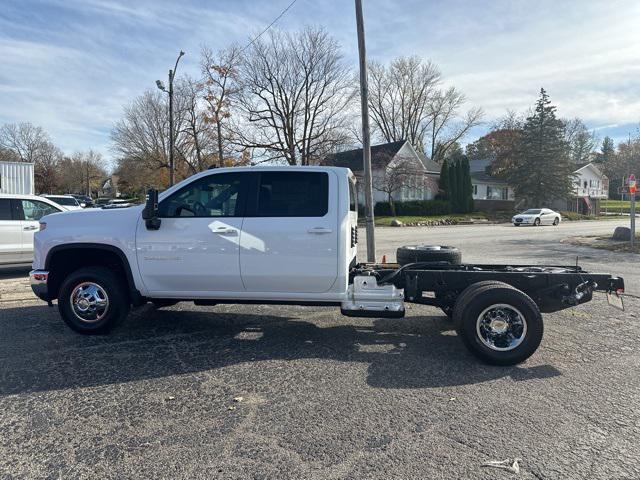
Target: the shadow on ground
(39, 353)
(14, 272)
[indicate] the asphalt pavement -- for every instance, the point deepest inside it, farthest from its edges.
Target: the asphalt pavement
(298, 392)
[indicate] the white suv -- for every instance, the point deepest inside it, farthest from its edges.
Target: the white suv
(19, 220)
(67, 202)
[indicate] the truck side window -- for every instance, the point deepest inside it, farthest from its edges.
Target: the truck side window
(293, 194)
(217, 195)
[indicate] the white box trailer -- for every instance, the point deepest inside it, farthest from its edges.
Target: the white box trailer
(16, 178)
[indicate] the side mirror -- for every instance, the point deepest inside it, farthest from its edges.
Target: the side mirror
(150, 212)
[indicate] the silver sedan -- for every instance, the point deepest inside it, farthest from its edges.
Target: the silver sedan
(536, 217)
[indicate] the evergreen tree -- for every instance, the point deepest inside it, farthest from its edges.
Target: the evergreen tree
(467, 187)
(443, 182)
(454, 183)
(607, 151)
(543, 172)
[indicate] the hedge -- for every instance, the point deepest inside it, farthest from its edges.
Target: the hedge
(414, 208)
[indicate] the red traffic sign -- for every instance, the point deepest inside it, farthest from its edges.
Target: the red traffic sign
(632, 184)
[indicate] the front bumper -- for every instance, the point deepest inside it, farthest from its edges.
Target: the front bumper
(38, 280)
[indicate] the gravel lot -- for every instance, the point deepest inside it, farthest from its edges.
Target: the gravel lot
(324, 396)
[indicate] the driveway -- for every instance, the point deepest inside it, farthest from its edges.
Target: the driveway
(321, 396)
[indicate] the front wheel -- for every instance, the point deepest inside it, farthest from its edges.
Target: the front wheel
(536, 222)
(499, 324)
(92, 300)
(556, 222)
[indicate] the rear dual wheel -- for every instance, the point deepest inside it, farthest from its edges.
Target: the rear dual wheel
(498, 323)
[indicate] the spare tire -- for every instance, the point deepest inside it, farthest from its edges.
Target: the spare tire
(428, 253)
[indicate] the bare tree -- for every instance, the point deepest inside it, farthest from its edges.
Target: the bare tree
(143, 132)
(294, 88)
(582, 142)
(446, 128)
(25, 140)
(220, 79)
(400, 96)
(83, 172)
(400, 173)
(407, 103)
(194, 135)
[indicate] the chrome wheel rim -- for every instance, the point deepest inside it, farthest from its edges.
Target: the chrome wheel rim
(89, 302)
(501, 327)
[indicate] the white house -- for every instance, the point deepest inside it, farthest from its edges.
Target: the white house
(589, 188)
(419, 174)
(489, 192)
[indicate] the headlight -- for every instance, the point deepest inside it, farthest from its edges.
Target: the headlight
(43, 226)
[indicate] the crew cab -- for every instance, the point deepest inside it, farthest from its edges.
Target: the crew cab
(284, 235)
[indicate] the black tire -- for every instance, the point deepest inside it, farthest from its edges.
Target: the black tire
(163, 302)
(428, 253)
(104, 283)
(536, 222)
(556, 222)
(470, 311)
(516, 224)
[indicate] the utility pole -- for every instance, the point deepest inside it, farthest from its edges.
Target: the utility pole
(172, 74)
(366, 139)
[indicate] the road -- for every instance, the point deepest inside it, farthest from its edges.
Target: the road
(323, 396)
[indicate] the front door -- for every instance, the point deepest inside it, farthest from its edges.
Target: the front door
(196, 250)
(10, 233)
(289, 238)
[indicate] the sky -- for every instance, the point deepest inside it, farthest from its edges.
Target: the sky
(70, 66)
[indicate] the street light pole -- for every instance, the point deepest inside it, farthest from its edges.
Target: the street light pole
(366, 139)
(172, 74)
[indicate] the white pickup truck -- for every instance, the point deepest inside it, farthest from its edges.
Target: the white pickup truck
(284, 235)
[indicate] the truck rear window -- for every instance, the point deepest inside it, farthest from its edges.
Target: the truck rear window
(293, 194)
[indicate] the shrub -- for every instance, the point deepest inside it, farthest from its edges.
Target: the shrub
(414, 208)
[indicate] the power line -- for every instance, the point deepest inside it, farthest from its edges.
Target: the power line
(269, 26)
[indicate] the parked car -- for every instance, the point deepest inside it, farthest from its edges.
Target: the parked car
(19, 220)
(536, 217)
(67, 202)
(285, 235)
(85, 201)
(118, 203)
(101, 201)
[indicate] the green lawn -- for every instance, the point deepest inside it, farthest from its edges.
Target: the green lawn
(615, 206)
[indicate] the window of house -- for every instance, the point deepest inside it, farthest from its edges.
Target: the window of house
(475, 189)
(585, 184)
(293, 194)
(217, 195)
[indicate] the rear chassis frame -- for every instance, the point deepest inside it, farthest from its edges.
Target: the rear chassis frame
(552, 288)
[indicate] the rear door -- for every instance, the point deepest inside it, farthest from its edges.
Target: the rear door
(289, 239)
(10, 233)
(30, 213)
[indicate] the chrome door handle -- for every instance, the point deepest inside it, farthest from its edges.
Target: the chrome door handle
(319, 230)
(30, 228)
(226, 231)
